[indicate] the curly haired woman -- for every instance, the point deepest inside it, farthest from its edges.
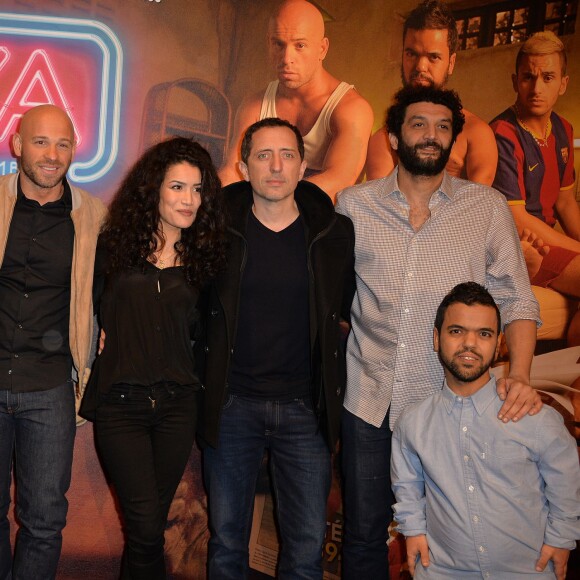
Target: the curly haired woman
(162, 241)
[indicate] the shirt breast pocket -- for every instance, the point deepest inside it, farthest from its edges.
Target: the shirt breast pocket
(505, 462)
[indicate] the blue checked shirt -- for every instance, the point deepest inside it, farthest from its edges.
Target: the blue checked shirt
(487, 494)
(402, 276)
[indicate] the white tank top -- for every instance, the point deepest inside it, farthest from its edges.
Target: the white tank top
(317, 141)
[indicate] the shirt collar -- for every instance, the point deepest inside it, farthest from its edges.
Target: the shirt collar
(65, 200)
(481, 400)
(392, 187)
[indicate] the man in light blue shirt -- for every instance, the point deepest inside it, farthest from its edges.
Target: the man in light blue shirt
(475, 497)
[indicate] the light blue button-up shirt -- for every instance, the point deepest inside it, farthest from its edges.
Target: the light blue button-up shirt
(487, 494)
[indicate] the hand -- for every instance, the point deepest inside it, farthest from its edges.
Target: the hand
(521, 398)
(417, 546)
(102, 337)
(558, 555)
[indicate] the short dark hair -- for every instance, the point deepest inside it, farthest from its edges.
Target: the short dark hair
(433, 15)
(468, 293)
(269, 122)
(410, 95)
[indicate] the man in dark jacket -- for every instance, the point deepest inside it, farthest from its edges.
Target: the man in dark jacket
(275, 372)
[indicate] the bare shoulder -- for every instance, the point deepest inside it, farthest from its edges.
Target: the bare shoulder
(354, 102)
(475, 127)
(379, 162)
(380, 140)
(249, 109)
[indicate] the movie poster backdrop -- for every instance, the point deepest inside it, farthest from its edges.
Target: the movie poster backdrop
(134, 72)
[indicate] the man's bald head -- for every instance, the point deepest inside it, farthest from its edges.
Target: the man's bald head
(294, 13)
(46, 115)
(44, 144)
(297, 43)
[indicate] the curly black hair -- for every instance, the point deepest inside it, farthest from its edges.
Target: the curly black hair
(131, 230)
(410, 95)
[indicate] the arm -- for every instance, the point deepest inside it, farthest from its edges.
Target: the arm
(248, 112)
(481, 160)
(569, 213)
(351, 125)
(408, 483)
(557, 463)
(380, 161)
(508, 282)
(521, 397)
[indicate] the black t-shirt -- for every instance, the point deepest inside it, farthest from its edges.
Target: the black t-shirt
(271, 357)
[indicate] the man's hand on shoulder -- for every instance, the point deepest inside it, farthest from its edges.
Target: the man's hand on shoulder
(519, 398)
(417, 546)
(558, 555)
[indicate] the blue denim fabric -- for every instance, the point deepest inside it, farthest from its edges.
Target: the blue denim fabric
(368, 498)
(38, 429)
(145, 436)
(300, 471)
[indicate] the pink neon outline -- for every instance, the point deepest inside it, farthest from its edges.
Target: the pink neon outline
(36, 78)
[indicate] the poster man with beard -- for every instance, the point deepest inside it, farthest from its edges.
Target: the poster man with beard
(429, 51)
(419, 232)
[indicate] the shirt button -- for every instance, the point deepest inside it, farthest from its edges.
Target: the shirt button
(338, 392)
(481, 548)
(464, 429)
(471, 488)
(406, 310)
(10, 372)
(157, 328)
(410, 274)
(34, 239)
(402, 345)
(16, 356)
(26, 296)
(475, 519)
(466, 458)
(459, 399)
(20, 326)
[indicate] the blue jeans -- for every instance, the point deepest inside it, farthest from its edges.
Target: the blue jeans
(300, 472)
(38, 430)
(368, 498)
(145, 436)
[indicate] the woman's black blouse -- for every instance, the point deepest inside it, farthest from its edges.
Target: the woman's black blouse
(150, 318)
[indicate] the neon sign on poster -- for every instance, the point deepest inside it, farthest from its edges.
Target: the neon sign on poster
(73, 63)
